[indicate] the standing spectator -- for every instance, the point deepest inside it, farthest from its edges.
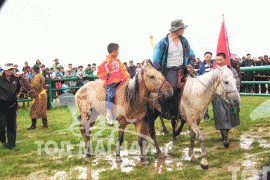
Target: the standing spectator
(125, 64)
(206, 66)
(75, 69)
(58, 84)
(62, 70)
(94, 65)
(45, 72)
(26, 67)
(138, 68)
(16, 70)
(70, 74)
(56, 64)
(197, 64)
(10, 87)
(38, 63)
(131, 69)
(265, 59)
(89, 72)
(1, 70)
(236, 71)
(81, 75)
(39, 105)
(260, 76)
(29, 75)
(94, 71)
(242, 60)
(248, 76)
(52, 73)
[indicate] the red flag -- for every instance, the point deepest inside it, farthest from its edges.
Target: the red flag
(223, 44)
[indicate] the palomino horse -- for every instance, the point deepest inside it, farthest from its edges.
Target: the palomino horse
(198, 93)
(131, 101)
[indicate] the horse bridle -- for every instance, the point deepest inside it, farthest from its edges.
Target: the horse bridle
(227, 92)
(158, 91)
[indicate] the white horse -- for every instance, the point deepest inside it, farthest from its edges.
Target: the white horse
(198, 93)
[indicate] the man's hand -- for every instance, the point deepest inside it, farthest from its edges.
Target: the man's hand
(190, 68)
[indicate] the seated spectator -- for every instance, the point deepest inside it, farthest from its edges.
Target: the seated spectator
(81, 75)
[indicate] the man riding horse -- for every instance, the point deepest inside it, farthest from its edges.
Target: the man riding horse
(174, 58)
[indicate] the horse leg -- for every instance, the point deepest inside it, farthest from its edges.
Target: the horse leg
(164, 129)
(195, 128)
(180, 128)
(142, 129)
(174, 125)
(151, 122)
(192, 145)
(86, 138)
(87, 122)
(122, 127)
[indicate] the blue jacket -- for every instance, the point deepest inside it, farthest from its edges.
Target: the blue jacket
(202, 67)
(161, 54)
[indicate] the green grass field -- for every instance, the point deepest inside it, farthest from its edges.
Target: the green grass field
(43, 153)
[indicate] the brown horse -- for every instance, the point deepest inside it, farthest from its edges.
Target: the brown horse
(131, 104)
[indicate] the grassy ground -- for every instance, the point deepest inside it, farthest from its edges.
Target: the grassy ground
(34, 162)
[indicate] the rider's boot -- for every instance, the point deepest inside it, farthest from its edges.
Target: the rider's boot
(109, 117)
(225, 137)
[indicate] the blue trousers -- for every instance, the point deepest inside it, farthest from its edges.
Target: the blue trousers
(172, 77)
(110, 95)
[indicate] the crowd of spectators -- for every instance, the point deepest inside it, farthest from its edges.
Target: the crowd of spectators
(89, 73)
(57, 71)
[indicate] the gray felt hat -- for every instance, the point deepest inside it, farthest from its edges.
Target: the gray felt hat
(177, 24)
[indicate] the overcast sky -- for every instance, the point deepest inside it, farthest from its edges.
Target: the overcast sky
(78, 32)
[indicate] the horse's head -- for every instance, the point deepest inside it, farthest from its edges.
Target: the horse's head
(227, 86)
(155, 82)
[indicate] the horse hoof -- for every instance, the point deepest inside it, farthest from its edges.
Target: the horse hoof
(162, 157)
(118, 159)
(194, 159)
(204, 167)
(226, 145)
(89, 155)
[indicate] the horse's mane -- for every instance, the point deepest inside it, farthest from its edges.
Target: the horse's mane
(132, 89)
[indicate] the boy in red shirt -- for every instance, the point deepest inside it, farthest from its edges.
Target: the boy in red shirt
(112, 71)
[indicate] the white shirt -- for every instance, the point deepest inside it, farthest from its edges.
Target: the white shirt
(175, 53)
